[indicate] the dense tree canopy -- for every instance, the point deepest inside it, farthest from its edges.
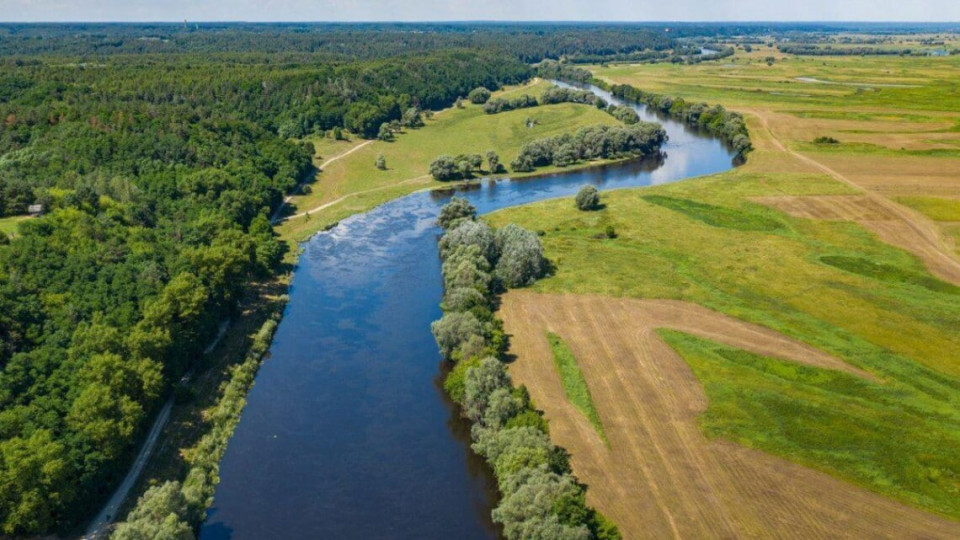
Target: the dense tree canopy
(158, 175)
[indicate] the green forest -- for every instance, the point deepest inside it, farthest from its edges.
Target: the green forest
(157, 174)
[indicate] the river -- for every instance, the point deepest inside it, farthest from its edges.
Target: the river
(347, 432)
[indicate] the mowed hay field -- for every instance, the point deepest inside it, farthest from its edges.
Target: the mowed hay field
(350, 182)
(659, 475)
(832, 285)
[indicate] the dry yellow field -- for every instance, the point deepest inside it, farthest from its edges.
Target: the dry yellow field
(660, 476)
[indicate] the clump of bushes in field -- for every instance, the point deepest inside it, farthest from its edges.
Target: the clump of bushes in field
(463, 166)
(555, 94)
(457, 167)
(715, 119)
(479, 95)
(172, 510)
(825, 140)
(594, 142)
(540, 496)
(499, 105)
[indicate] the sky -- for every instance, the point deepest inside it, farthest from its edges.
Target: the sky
(503, 10)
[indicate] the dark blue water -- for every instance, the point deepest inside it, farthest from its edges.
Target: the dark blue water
(347, 433)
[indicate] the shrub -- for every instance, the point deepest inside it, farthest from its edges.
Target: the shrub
(626, 114)
(825, 140)
(493, 162)
(444, 168)
(499, 105)
(455, 384)
(468, 233)
(555, 94)
(588, 198)
(411, 118)
(521, 259)
(479, 95)
(453, 168)
(454, 329)
(463, 299)
(454, 211)
(480, 384)
(158, 514)
(381, 162)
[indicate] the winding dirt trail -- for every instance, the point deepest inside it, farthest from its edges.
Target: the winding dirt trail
(901, 226)
(660, 477)
(276, 215)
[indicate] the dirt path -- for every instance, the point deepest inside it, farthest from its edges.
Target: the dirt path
(99, 527)
(354, 194)
(276, 215)
(660, 477)
(906, 228)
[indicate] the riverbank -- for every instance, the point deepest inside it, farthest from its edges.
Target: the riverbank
(350, 183)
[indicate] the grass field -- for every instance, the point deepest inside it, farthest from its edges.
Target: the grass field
(574, 385)
(843, 249)
(353, 183)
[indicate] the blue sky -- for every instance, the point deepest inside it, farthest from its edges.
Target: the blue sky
(433, 10)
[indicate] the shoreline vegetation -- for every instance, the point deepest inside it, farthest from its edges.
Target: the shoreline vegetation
(540, 497)
(714, 119)
(167, 493)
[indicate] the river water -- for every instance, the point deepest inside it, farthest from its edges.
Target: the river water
(347, 432)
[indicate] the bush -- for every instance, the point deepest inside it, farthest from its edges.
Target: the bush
(454, 211)
(467, 268)
(529, 512)
(626, 114)
(825, 140)
(468, 233)
(479, 95)
(493, 162)
(454, 168)
(455, 383)
(499, 105)
(158, 514)
(555, 94)
(463, 299)
(521, 259)
(381, 162)
(588, 198)
(453, 330)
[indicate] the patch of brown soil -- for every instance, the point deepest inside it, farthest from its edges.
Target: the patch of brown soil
(660, 477)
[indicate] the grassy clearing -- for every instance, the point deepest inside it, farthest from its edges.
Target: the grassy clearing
(887, 436)
(8, 225)
(451, 132)
(574, 385)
